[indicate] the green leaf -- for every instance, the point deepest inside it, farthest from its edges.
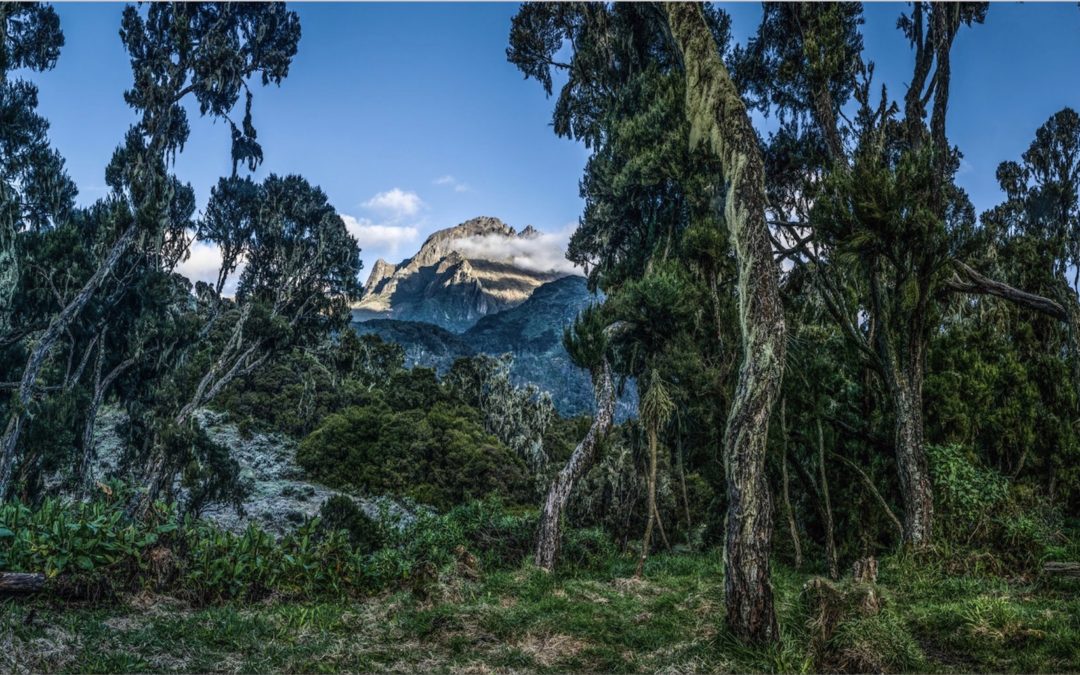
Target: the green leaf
(5, 533)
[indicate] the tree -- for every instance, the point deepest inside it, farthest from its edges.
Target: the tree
(869, 205)
(208, 51)
(34, 190)
(720, 123)
(586, 343)
(612, 47)
(300, 278)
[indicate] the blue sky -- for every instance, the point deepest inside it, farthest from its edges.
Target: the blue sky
(411, 119)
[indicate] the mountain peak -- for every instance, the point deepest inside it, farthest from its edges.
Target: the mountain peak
(452, 281)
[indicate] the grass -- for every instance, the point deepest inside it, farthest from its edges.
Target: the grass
(599, 620)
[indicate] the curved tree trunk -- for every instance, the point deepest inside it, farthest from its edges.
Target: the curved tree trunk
(720, 123)
(582, 459)
(9, 265)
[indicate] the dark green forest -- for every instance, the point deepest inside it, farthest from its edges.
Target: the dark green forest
(855, 446)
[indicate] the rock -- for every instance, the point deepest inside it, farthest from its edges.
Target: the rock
(279, 499)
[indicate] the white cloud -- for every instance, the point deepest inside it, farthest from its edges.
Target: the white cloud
(204, 262)
(545, 252)
(451, 182)
(397, 203)
(369, 234)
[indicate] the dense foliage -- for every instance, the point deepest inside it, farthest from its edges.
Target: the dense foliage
(927, 414)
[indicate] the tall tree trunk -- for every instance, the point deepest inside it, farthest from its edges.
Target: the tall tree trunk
(685, 496)
(792, 527)
(40, 352)
(651, 500)
(905, 388)
(720, 123)
(830, 539)
(581, 460)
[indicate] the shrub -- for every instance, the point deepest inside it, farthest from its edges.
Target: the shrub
(978, 507)
(589, 548)
(93, 546)
(439, 456)
(341, 513)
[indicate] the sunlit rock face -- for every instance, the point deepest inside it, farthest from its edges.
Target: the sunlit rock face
(458, 276)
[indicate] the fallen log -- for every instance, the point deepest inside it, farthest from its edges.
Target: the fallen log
(1065, 569)
(21, 582)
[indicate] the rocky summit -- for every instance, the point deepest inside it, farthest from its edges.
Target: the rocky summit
(459, 275)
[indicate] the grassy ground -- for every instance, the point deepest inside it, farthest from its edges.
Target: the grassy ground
(601, 620)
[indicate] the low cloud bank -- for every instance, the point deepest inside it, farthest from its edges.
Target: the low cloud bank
(544, 252)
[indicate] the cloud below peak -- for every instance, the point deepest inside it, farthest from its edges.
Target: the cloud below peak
(544, 252)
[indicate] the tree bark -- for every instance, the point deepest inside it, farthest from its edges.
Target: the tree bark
(792, 527)
(719, 122)
(977, 284)
(830, 539)
(36, 360)
(653, 516)
(905, 389)
(581, 460)
(21, 582)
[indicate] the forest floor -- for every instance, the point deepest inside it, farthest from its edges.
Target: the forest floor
(525, 620)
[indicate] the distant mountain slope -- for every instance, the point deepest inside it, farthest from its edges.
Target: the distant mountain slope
(449, 283)
(531, 331)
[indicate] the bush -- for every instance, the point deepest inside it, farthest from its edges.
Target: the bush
(95, 545)
(339, 513)
(978, 507)
(439, 456)
(589, 548)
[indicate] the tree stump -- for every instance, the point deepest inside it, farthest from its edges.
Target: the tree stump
(864, 570)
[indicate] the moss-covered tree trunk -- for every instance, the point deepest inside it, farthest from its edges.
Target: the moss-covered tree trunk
(719, 123)
(901, 339)
(906, 392)
(581, 460)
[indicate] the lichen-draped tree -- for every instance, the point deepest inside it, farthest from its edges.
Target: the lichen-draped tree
(884, 262)
(648, 236)
(34, 190)
(586, 342)
(719, 122)
(207, 51)
(549, 534)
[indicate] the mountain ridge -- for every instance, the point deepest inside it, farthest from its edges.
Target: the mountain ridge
(448, 286)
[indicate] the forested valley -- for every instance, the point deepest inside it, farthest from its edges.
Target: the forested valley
(834, 408)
